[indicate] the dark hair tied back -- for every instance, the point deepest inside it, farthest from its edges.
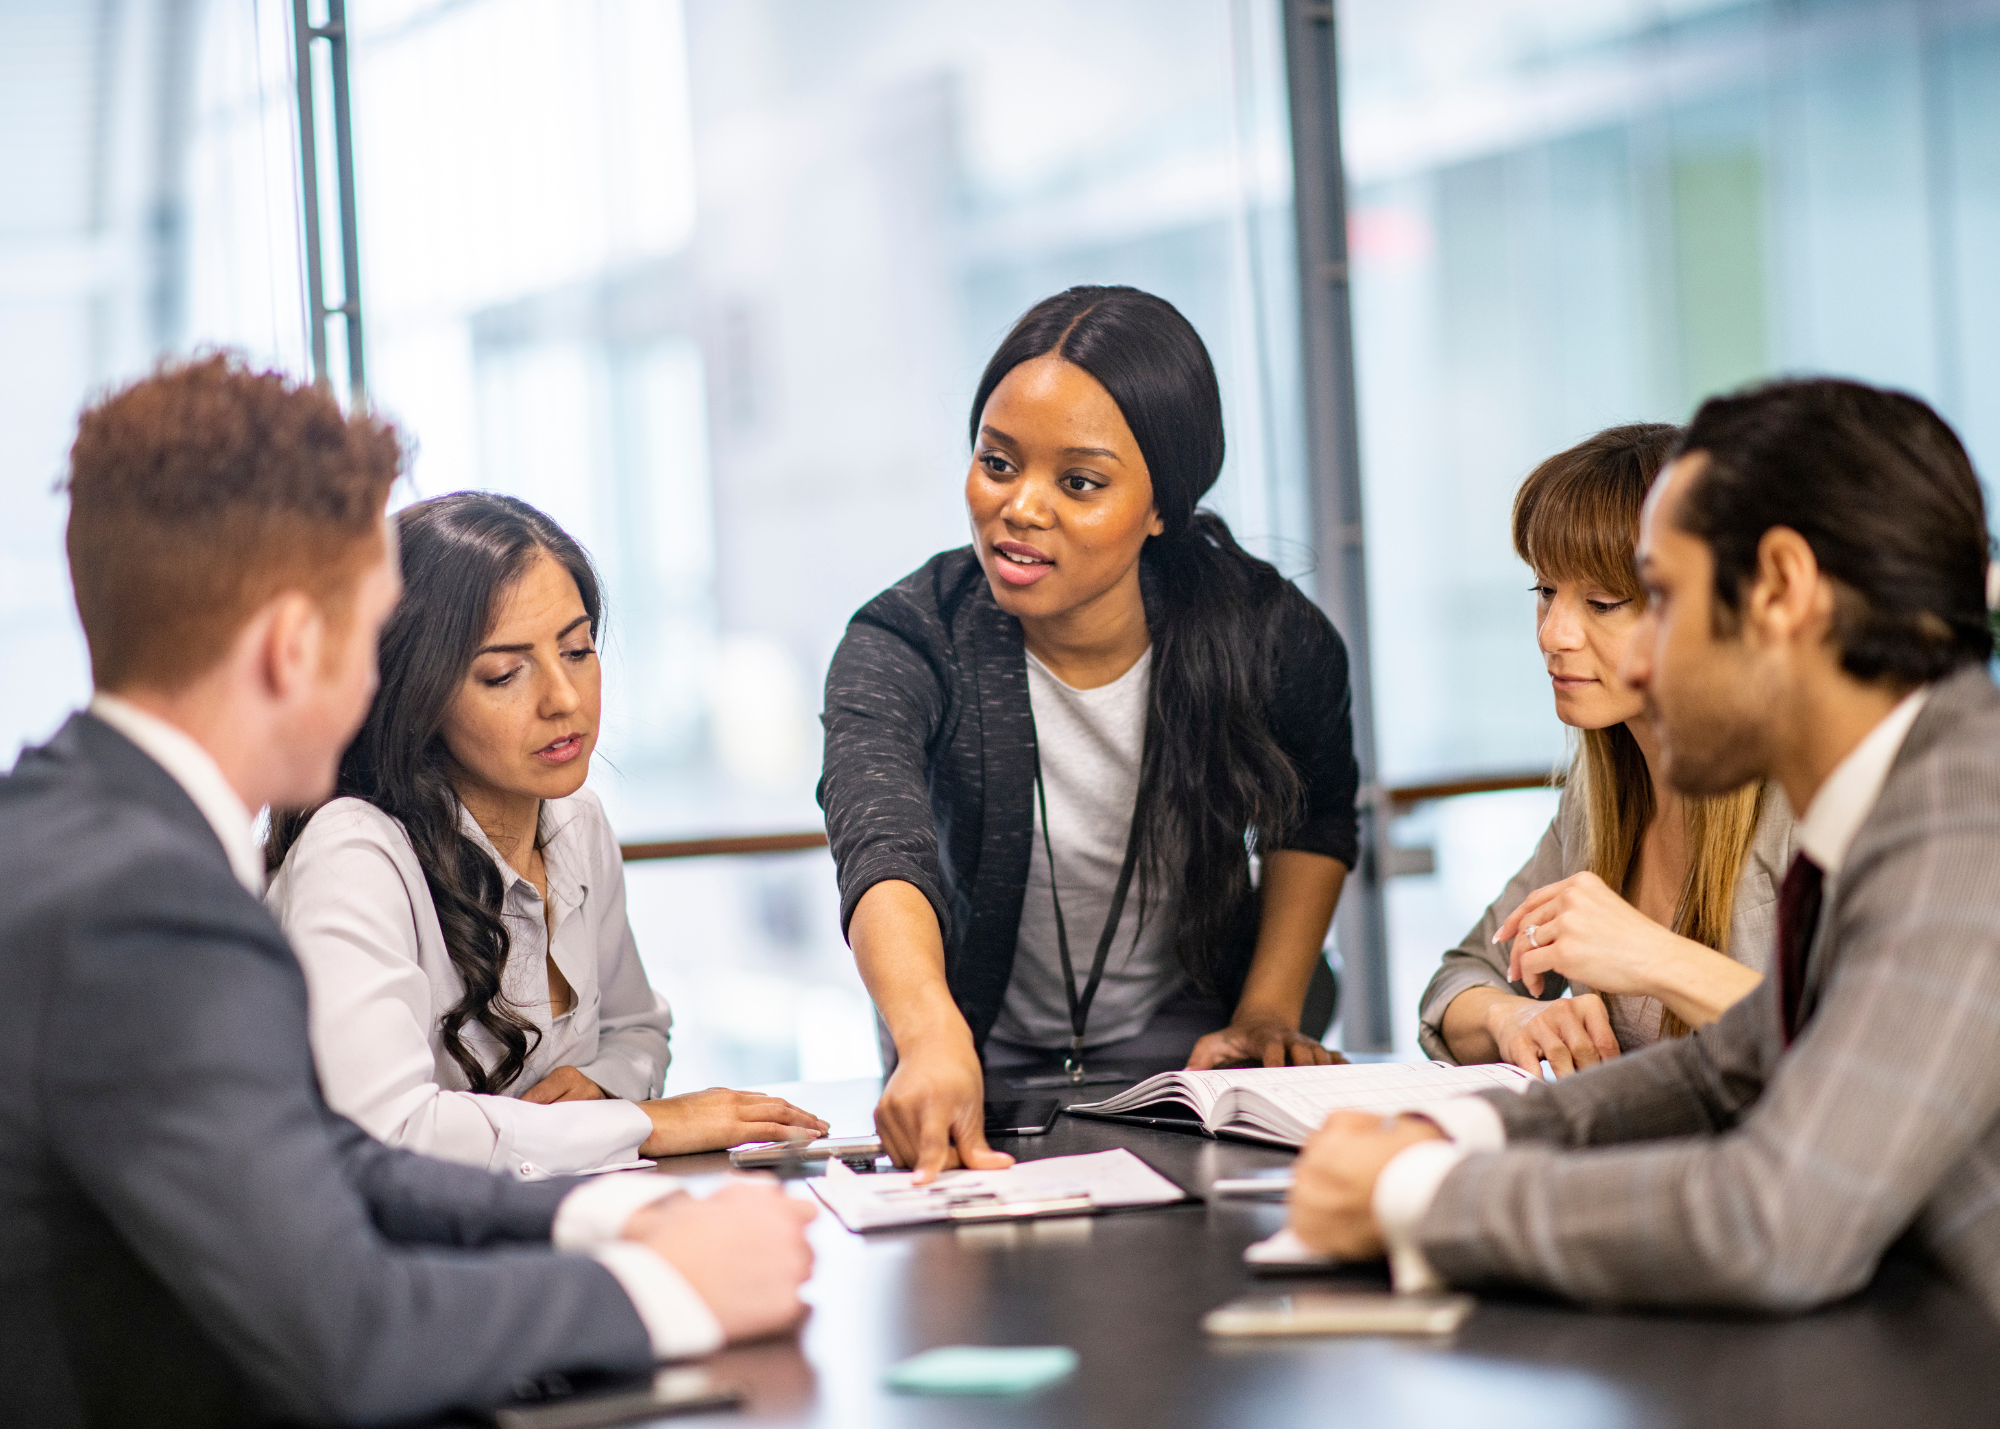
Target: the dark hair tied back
(1212, 779)
(1880, 488)
(460, 555)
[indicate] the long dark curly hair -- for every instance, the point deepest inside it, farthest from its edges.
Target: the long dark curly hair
(460, 555)
(1213, 780)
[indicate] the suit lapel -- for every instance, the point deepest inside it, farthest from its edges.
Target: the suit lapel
(1952, 699)
(127, 772)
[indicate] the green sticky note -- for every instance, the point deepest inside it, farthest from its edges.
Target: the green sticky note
(983, 1369)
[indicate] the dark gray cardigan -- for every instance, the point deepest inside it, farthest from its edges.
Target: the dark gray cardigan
(930, 763)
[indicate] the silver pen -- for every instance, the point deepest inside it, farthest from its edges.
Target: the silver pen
(858, 1152)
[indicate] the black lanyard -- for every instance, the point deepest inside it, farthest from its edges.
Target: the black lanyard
(1079, 1007)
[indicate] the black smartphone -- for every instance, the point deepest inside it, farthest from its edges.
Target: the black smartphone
(1022, 1118)
(671, 1391)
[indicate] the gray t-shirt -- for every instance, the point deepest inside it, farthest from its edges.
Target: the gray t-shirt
(1091, 742)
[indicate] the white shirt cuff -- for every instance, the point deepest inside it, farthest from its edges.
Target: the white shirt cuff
(678, 1321)
(1469, 1122)
(1403, 1193)
(595, 1213)
(564, 1138)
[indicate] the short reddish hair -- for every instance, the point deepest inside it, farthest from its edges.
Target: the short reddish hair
(201, 492)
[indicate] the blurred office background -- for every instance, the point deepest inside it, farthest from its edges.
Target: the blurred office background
(711, 281)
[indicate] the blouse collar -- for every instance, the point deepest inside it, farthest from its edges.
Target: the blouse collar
(569, 879)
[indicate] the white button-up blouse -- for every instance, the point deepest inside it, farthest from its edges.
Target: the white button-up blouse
(354, 902)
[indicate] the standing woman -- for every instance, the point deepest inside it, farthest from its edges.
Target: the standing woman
(459, 905)
(1049, 755)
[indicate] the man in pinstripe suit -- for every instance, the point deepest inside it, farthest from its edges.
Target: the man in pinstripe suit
(1815, 561)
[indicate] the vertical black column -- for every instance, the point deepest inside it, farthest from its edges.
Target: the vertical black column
(1319, 202)
(333, 34)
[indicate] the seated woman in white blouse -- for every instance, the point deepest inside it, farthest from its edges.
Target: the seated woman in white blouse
(459, 906)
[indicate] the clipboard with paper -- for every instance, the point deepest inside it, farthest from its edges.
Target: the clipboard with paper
(1054, 1186)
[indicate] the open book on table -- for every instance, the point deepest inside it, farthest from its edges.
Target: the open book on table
(1285, 1105)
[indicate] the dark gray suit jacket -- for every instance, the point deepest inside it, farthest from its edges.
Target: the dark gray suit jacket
(187, 1233)
(1727, 1169)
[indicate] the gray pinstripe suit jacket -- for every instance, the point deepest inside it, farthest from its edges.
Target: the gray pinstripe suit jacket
(1724, 1169)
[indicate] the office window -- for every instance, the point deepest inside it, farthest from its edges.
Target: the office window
(146, 158)
(1566, 215)
(711, 282)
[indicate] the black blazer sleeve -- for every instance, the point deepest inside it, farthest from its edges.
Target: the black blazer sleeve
(177, 1093)
(886, 705)
(1312, 718)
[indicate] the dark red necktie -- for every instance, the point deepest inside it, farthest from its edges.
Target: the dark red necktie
(1798, 915)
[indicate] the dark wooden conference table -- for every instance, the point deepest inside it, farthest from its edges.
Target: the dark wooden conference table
(1127, 1292)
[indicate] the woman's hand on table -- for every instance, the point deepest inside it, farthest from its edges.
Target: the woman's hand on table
(1260, 1042)
(1569, 1033)
(932, 1115)
(719, 1118)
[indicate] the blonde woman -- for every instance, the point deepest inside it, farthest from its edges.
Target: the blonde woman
(1654, 911)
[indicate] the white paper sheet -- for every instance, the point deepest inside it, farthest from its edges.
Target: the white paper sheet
(1109, 1179)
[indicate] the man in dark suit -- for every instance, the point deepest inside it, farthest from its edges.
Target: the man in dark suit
(187, 1233)
(1816, 564)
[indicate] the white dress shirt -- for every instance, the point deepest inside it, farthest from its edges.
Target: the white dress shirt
(354, 901)
(1409, 1183)
(678, 1321)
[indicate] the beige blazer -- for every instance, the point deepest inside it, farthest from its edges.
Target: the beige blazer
(1564, 850)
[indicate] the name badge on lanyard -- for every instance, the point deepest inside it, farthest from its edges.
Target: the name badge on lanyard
(1079, 1005)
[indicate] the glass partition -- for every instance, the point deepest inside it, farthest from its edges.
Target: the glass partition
(1571, 213)
(711, 282)
(147, 155)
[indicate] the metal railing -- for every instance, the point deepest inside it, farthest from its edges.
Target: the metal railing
(1401, 798)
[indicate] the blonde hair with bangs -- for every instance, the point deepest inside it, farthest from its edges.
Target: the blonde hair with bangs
(1576, 517)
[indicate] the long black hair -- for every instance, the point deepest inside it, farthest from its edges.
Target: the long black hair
(1213, 781)
(460, 555)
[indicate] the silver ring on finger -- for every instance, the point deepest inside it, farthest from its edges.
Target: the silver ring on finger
(1533, 941)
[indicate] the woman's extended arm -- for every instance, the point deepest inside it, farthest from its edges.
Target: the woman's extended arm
(1299, 891)
(932, 1115)
(885, 704)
